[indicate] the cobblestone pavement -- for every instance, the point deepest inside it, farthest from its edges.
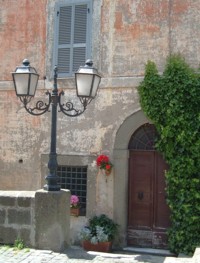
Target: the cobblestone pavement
(72, 255)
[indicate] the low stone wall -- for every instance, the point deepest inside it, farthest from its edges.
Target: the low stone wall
(17, 217)
(35, 217)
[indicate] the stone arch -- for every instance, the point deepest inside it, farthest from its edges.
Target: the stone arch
(121, 155)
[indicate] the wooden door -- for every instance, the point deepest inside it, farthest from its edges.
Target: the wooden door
(148, 213)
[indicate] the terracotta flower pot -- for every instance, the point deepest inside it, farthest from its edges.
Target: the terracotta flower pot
(107, 172)
(100, 247)
(74, 211)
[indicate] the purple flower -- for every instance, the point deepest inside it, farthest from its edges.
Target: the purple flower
(74, 200)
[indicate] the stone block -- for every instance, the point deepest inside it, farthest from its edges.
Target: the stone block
(52, 219)
(24, 201)
(25, 235)
(2, 216)
(8, 235)
(19, 217)
(7, 201)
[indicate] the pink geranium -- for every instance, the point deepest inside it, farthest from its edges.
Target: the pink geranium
(74, 201)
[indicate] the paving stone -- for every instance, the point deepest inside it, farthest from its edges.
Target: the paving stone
(72, 255)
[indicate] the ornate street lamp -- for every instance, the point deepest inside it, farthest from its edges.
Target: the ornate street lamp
(25, 80)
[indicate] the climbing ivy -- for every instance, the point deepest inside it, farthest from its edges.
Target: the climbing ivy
(172, 102)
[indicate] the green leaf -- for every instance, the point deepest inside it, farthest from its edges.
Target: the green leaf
(172, 102)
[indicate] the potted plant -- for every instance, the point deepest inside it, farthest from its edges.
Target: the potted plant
(103, 162)
(99, 234)
(74, 205)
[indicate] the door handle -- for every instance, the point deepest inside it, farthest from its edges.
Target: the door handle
(140, 195)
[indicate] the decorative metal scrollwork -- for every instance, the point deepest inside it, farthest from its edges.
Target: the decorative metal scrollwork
(40, 106)
(68, 108)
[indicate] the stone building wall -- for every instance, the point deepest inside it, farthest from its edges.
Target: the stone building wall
(126, 34)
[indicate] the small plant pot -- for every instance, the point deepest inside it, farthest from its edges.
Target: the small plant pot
(100, 247)
(74, 211)
(107, 173)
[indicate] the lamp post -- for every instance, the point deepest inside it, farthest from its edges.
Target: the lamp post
(25, 80)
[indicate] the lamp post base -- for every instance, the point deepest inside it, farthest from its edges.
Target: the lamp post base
(52, 183)
(51, 187)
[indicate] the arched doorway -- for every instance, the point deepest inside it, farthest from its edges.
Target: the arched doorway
(148, 213)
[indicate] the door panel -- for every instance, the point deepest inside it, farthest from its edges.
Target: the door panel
(140, 198)
(148, 214)
(161, 209)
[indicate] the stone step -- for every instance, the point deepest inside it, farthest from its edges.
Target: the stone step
(151, 251)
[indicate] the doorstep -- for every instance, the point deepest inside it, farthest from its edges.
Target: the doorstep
(151, 251)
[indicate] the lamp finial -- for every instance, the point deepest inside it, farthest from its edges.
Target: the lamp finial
(26, 62)
(89, 63)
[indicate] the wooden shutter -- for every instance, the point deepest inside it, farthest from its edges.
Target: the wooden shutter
(73, 37)
(80, 36)
(64, 39)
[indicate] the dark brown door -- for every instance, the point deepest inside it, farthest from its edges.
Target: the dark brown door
(148, 213)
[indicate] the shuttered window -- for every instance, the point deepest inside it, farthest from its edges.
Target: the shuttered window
(72, 36)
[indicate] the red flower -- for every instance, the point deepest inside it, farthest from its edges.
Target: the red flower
(108, 167)
(104, 163)
(102, 160)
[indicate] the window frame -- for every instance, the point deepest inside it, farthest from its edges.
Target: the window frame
(73, 3)
(71, 173)
(76, 160)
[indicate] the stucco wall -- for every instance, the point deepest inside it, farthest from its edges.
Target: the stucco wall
(23, 34)
(136, 31)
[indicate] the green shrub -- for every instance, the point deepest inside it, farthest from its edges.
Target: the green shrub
(109, 226)
(99, 229)
(172, 102)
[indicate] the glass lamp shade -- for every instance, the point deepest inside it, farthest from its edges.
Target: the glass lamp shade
(25, 79)
(87, 81)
